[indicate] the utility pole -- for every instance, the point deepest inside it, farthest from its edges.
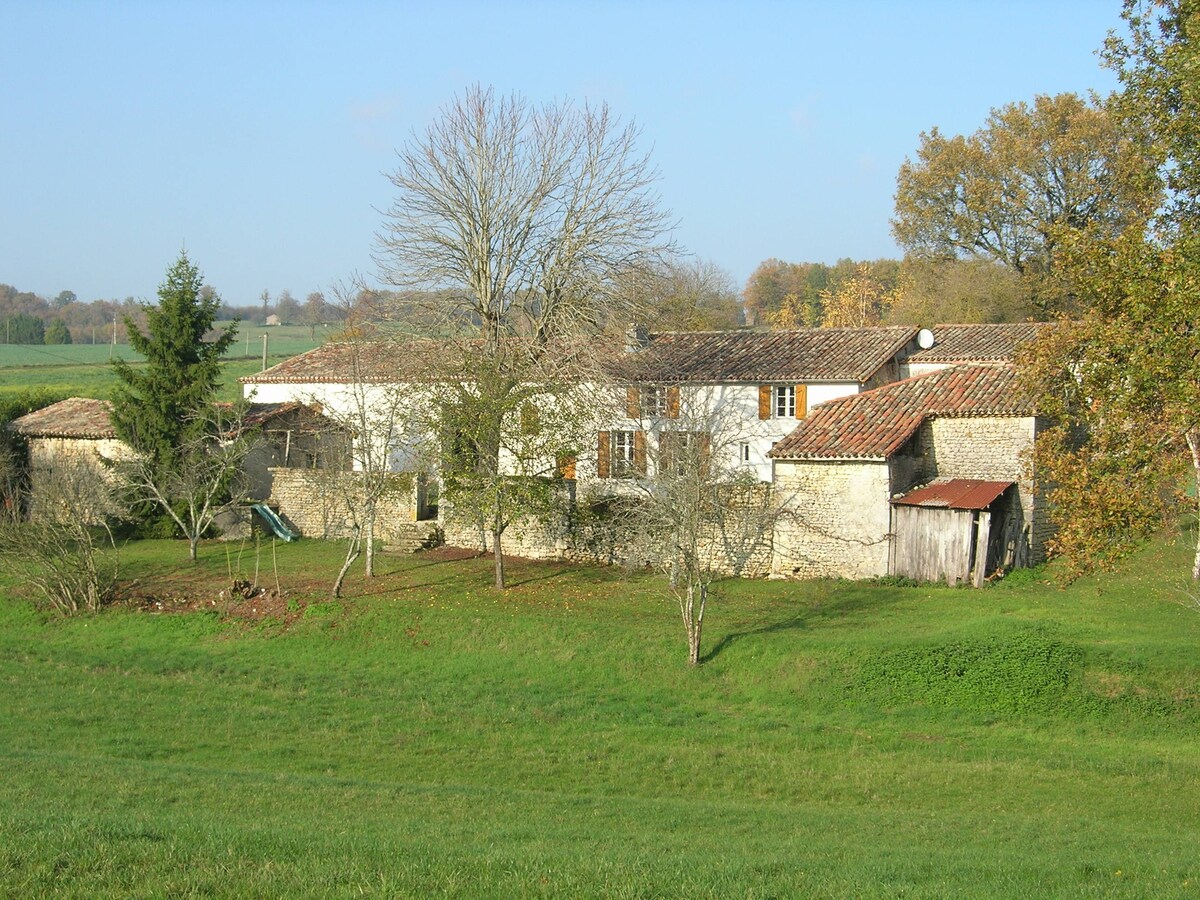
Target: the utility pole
(265, 336)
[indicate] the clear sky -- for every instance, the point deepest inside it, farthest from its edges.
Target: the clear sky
(256, 134)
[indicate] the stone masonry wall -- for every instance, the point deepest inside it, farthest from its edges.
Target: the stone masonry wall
(314, 501)
(578, 535)
(993, 449)
(52, 459)
(839, 519)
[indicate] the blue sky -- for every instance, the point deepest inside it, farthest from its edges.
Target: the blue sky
(256, 134)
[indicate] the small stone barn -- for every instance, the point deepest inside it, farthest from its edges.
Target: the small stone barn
(75, 433)
(846, 475)
(78, 432)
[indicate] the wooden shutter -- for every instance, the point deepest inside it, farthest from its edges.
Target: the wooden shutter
(764, 401)
(633, 404)
(639, 452)
(673, 402)
(801, 401)
(566, 466)
(603, 455)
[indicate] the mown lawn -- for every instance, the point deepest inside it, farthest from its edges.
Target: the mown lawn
(428, 736)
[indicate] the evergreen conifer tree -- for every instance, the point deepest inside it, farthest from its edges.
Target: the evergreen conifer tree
(162, 406)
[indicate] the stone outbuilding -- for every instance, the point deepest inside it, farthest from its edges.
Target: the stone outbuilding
(844, 474)
(76, 436)
(73, 437)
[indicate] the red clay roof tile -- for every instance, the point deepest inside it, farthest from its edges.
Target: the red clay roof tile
(874, 424)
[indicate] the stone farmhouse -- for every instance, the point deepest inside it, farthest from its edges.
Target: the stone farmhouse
(848, 427)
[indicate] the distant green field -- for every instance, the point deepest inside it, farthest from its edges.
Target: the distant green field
(82, 370)
(427, 736)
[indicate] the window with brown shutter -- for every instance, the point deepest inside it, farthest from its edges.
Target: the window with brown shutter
(603, 455)
(639, 452)
(633, 405)
(673, 402)
(801, 401)
(764, 401)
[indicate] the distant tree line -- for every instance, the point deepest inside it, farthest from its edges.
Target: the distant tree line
(29, 318)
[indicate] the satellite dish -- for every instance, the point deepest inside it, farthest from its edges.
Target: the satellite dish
(924, 338)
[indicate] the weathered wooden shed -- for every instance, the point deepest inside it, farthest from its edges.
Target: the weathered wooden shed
(957, 530)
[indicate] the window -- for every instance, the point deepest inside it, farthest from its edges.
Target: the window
(782, 401)
(744, 453)
(680, 452)
(622, 453)
(654, 401)
(785, 401)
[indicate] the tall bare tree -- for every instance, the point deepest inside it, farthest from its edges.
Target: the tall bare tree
(522, 226)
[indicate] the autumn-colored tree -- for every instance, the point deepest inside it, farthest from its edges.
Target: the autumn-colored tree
(785, 295)
(1122, 382)
(958, 290)
(857, 302)
(1014, 191)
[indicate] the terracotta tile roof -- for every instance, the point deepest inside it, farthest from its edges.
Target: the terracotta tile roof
(339, 362)
(759, 357)
(75, 417)
(83, 417)
(978, 343)
(874, 424)
(956, 493)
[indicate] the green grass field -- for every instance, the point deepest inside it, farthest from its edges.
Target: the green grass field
(428, 736)
(83, 370)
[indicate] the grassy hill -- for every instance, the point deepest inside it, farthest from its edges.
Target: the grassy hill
(429, 736)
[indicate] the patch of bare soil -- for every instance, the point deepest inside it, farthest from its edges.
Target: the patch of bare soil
(239, 600)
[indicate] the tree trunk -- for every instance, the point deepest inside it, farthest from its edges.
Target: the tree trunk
(1193, 442)
(193, 540)
(351, 556)
(498, 553)
(369, 537)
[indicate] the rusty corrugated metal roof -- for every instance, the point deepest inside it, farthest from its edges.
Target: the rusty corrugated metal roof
(957, 493)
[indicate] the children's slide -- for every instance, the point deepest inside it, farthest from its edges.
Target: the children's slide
(274, 522)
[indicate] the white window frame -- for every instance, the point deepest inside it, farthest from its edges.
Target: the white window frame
(622, 454)
(783, 401)
(654, 401)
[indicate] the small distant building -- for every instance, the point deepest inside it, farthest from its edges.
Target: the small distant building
(273, 320)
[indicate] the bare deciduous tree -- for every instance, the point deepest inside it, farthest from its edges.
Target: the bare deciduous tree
(523, 226)
(203, 482)
(66, 550)
(698, 514)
